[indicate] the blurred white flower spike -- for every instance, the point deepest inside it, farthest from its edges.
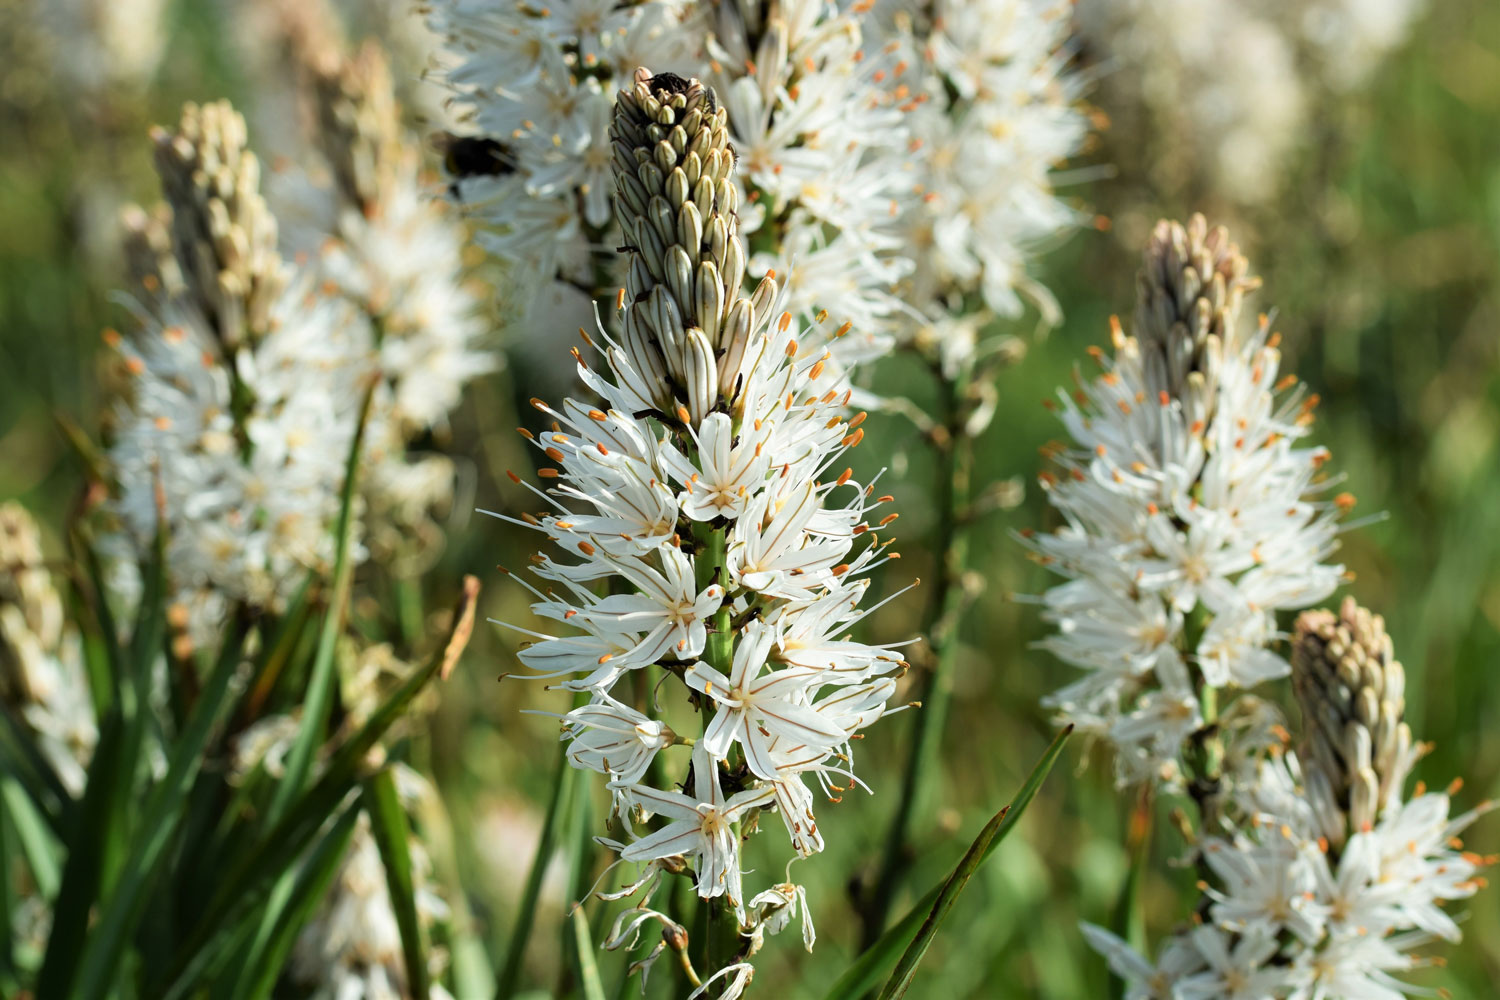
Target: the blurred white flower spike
(706, 493)
(245, 383)
(891, 158)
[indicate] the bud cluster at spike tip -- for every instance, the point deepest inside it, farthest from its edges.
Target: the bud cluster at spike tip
(1352, 691)
(225, 236)
(708, 489)
(1322, 875)
(687, 324)
(1191, 513)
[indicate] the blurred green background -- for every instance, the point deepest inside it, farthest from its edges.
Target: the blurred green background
(1381, 256)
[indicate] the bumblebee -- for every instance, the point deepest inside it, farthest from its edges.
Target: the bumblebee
(472, 156)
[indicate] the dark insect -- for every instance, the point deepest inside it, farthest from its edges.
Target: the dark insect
(669, 82)
(472, 156)
(627, 248)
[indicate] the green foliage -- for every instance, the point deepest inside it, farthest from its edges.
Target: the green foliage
(1382, 259)
(130, 914)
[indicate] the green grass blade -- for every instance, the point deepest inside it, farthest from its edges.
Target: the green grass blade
(25, 763)
(87, 843)
(877, 961)
(392, 836)
(906, 968)
(319, 699)
(312, 884)
(31, 830)
(525, 915)
(588, 966)
(249, 879)
(580, 855)
(97, 836)
(162, 816)
(282, 643)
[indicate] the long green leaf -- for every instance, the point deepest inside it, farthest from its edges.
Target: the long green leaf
(96, 837)
(30, 826)
(313, 881)
(248, 880)
(525, 915)
(906, 968)
(319, 700)
(282, 643)
(163, 814)
(876, 962)
(392, 837)
(87, 844)
(25, 763)
(588, 966)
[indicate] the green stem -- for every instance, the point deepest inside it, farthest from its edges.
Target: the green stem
(711, 566)
(945, 610)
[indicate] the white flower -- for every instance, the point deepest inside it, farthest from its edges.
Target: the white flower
(701, 827)
(667, 605)
(754, 709)
(1144, 981)
(1237, 972)
(728, 468)
(614, 739)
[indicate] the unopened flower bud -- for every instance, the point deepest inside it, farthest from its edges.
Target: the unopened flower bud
(1352, 692)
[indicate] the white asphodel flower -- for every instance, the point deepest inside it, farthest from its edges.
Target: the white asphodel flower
(1327, 877)
(709, 540)
(1187, 498)
(614, 739)
(667, 605)
(755, 708)
(702, 826)
(727, 470)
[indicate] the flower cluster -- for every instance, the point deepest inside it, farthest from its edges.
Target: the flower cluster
(247, 378)
(999, 113)
(820, 126)
(395, 248)
(1191, 513)
(703, 493)
(398, 250)
(890, 160)
(537, 80)
(1225, 89)
(1327, 875)
(244, 385)
(41, 659)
